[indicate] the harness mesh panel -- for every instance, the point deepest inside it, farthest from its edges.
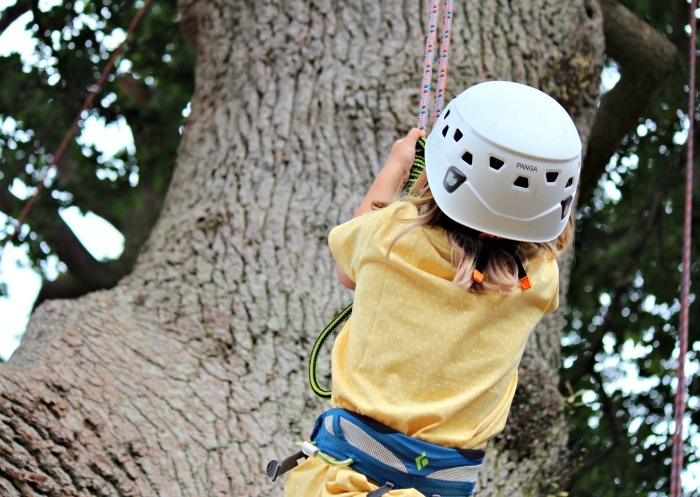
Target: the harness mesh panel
(460, 473)
(328, 423)
(361, 440)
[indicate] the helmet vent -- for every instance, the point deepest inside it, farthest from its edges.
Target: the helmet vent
(445, 130)
(468, 158)
(446, 114)
(565, 206)
(496, 164)
(552, 176)
(458, 135)
(522, 182)
(570, 182)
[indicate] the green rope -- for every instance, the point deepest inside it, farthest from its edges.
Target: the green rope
(416, 170)
(418, 163)
(313, 360)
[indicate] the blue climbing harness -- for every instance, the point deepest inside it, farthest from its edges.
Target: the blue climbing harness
(389, 457)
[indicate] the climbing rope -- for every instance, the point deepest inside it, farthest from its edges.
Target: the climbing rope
(419, 160)
(429, 58)
(444, 54)
(681, 389)
(71, 131)
(313, 360)
(428, 65)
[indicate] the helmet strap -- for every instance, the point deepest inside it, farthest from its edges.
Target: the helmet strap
(483, 259)
(485, 253)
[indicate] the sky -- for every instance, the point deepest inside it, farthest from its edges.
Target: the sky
(98, 236)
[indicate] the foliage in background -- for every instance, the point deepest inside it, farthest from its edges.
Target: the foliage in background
(622, 318)
(38, 102)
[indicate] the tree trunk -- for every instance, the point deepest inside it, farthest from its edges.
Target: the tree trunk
(186, 378)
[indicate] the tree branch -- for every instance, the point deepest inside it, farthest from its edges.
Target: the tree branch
(66, 286)
(14, 12)
(646, 58)
(71, 251)
(85, 273)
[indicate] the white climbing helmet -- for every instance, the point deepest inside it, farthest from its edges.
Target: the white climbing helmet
(504, 159)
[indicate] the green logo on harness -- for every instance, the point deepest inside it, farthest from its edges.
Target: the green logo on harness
(421, 461)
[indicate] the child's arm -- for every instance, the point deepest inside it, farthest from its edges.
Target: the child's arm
(388, 184)
(394, 174)
(344, 278)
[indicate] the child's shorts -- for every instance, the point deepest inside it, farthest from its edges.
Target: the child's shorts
(314, 478)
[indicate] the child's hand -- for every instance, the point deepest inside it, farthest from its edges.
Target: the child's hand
(388, 184)
(403, 152)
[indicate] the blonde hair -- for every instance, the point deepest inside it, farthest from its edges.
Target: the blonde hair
(501, 274)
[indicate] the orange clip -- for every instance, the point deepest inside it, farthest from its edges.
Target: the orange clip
(525, 283)
(478, 276)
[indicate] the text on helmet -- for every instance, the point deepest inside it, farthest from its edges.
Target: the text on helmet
(528, 167)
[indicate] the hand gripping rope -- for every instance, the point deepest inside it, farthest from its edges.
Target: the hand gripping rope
(419, 160)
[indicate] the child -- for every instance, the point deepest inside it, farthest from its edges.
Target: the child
(449, 282)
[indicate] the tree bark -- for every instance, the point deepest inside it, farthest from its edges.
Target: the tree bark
(190, 374)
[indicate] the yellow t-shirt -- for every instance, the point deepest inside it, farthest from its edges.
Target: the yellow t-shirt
(419, 354)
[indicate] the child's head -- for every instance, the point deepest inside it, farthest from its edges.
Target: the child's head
(501, 270)
(504, 160)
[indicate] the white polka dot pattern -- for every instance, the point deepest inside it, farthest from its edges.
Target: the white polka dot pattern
(419, 354)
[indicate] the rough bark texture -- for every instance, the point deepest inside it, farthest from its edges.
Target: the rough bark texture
(190, 374)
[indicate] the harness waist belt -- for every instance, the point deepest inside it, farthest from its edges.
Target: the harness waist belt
(387, 456)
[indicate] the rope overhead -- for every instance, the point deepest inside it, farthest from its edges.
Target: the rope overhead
(681, 389)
